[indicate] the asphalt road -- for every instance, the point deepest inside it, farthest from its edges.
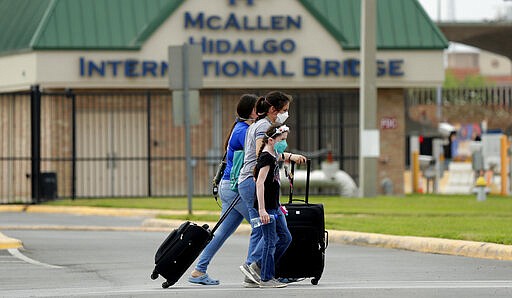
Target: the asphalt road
(92, 263)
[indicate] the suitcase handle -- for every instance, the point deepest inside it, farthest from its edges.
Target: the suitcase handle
(223, 217)
(291, 177)
(326, 239)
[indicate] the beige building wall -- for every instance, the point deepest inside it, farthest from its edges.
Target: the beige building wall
(494, 65)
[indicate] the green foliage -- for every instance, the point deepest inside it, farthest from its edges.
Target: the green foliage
(470, 81)
(177, 203)
(450, 81)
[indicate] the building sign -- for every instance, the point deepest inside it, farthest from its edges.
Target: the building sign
(232, 47)
(388, 123)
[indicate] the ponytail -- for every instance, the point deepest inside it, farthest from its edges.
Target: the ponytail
(228, 136)
(244, 110)
(276, 99)
(265, 142)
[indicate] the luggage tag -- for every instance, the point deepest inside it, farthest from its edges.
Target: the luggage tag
(283, 210)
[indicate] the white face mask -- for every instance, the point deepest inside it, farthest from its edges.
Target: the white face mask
(281, 118)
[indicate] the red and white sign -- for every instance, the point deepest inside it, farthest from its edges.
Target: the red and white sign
(388, 123)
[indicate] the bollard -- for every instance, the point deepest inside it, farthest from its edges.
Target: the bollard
(481, 189)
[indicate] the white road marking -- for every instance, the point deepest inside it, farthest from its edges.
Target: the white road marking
(17, 254)
(292, 289)
(17, 261)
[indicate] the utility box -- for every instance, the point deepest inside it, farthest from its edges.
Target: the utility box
(48, 186)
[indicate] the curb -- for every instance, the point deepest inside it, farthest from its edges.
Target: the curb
(106, 211)
(464, 248)
(7, 242)
(473, 249)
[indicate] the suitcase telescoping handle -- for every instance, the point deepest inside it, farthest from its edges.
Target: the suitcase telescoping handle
(225, 214)
(291, 177)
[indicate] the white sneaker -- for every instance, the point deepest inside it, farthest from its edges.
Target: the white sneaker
(248, 283)
(247, 272)
(255, 271)
(273, 283)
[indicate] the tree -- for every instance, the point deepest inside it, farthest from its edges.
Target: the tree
(470, 81)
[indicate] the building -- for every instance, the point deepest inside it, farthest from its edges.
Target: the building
(494, 68)
(107, 115)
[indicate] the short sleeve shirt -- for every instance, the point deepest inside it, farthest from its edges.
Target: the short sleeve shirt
(272, 181)
(254, 132)
(236, 142)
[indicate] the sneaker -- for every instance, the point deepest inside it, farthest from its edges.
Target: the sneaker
(248, 283)
(273, 283)
(246, 270)
(255, 270)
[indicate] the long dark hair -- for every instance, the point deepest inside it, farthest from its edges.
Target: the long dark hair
(244, 110)
(276, 99)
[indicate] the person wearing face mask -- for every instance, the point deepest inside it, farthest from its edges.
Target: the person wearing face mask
(276, 236)
(234, 142)
(271, 108)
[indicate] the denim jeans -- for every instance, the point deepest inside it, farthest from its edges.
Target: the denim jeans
(247, 191)
(226, 228)
(276, 238)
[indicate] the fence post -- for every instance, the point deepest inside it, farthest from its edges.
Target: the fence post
(70, 94)
(504, 164)
(35, 141)
(148, 111)
(415, 172)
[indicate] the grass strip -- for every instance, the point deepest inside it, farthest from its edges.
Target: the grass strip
(443, 216)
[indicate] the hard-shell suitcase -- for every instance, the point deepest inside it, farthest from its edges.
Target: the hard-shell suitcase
(305, 257)
(182, 247)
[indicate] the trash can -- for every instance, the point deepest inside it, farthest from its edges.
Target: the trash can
(48, 186)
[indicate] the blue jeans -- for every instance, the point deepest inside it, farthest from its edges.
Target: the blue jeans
(277, 238)
(226, 228)
(247, 191)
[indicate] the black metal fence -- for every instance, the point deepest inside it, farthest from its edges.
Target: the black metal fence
(490, 105)
(71, 144)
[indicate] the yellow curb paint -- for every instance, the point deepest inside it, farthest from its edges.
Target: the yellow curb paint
(426, 244)
(106, 211)
(7, 242)
(13, 208)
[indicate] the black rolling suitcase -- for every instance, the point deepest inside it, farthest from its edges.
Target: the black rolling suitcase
(305, 257)
(182, 247)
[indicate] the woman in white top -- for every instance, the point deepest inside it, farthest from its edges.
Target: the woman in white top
(271, 108)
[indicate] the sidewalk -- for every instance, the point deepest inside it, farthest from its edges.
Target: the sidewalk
(419, 244)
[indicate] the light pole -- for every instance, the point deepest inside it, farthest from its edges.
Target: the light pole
(369, 139)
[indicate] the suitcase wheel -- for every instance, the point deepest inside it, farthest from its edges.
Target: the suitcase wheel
(314, 281)
(154, 275)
